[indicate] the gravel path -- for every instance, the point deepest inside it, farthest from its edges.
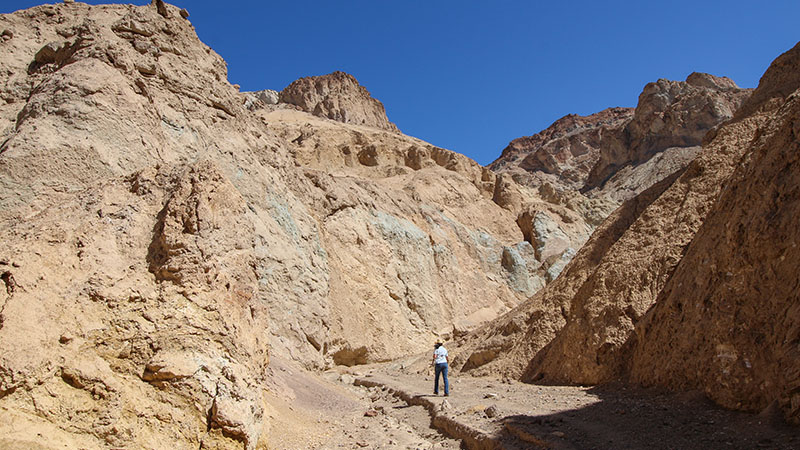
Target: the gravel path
(381, 407)
(503, 414)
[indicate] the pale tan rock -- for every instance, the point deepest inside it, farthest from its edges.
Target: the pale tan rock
(260, 99)
(337, 96)
(163, 238)
(114, 322)
(170, 365)
(420, 220)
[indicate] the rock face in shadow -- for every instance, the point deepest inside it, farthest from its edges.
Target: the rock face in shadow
(696, 290)
(337, 96)
(728, 321)
(593, 345)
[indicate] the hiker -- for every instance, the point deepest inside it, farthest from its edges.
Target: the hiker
(440, 361)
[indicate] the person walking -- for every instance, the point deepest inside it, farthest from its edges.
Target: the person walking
(440, 361)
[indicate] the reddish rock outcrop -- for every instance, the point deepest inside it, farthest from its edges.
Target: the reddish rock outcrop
(670, 114)
(583, 153)
(337, 96)
(565, 152)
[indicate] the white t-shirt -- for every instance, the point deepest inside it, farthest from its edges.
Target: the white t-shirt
(440, 354)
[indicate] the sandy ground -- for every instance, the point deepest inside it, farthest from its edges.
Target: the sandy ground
(399, 410)
(326, 411)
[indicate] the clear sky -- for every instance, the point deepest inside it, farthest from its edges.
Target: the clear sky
(472, 75)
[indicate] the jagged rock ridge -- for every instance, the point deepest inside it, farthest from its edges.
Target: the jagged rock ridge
(589, 165)
(584, 153)
(564, 153)
(337, 96)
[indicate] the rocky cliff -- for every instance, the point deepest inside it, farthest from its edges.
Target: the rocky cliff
(163, 233)
(590, 165)
(728, 321)
(585, 153)
(688, 285)
(670, 119)
(565, 152)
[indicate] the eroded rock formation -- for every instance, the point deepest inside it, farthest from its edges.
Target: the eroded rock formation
(688, 285)
(728, 321)
(337, 96)
(670, 119)
(164, 232)
(590, 165)
(565, 152)
(585, 153)
(112, 334)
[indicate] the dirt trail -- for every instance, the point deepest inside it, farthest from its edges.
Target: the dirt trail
(388, 407)
(488, 413)
(326, 411)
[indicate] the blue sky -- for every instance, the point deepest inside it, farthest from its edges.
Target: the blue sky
(472, 75)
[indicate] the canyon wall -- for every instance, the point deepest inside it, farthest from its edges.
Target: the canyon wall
(688, 285)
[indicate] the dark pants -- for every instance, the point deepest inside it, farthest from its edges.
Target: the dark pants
(441, 368)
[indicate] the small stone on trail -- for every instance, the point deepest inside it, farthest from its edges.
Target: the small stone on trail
(490, 395)
(362, 444)
(371, 413)
(491, 411)
(445, 405)
(558, 434)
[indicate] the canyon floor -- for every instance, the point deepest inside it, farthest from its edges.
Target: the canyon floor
(383, 406)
